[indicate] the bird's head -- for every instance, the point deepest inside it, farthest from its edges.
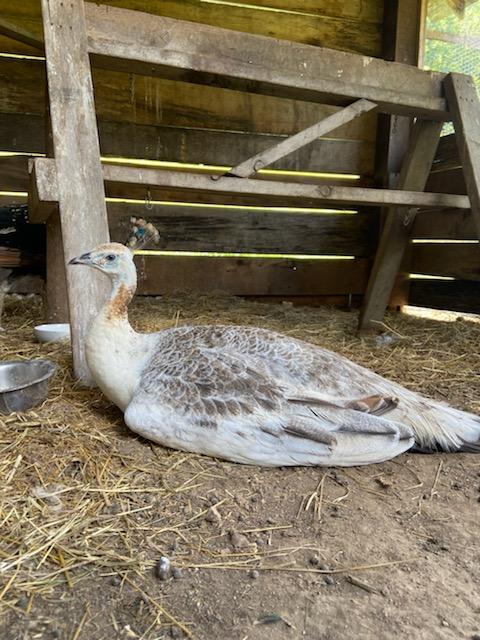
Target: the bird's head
(113, 259)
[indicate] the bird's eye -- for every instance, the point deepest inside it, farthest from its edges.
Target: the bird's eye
(110, 258)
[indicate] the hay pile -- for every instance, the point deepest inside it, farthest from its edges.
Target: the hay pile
(84, 500)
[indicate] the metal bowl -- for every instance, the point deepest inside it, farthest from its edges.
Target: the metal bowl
(23, 384)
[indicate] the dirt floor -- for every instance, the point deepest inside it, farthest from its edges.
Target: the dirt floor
(88, 509)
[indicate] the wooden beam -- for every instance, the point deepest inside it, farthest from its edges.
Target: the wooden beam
(465, 107)
(302, 138)
(138, 42)
(286, 192)
(12, 30)
(397, 230)
(81, 195)
(402, 22)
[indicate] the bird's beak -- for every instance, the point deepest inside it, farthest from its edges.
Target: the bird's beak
(85, 258)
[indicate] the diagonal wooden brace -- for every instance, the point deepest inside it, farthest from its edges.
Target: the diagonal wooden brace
(398, 226)
(265, 158)
(464, 106)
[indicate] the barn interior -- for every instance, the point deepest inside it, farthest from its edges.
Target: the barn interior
(88, 508)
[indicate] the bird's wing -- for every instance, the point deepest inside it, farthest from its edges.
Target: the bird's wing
(215, 402)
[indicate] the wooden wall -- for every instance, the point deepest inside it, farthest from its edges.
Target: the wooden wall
(458, 259)
(157, 119)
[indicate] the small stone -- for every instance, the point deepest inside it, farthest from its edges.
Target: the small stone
(163, 568)
(329, 580)
(177, 573)
(115, 581)
(314, 560)
(260, 542)
(445, 623)
(213, 498)
(175, 632)
(238, 540)
(254, 574)
(476, 636)
(323, 567)
(22, 602)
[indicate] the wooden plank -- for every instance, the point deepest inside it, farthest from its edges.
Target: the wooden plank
(25, 133)
(356, 10)
(316, 194)
(195, 186)
(241, 276)
(14, 177)
(327, 31)
(447, 154)
(398, 226)
(361, 10)
(156, 101)
(152, 45)
(214, 229)
(328, 28)
(16, 32)
(447, 225)
(266, 158)
(80, 193)
(465, 107)
(461, 261)
(454, 295)
(451, 180)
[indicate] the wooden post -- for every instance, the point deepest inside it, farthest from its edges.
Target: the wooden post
(81, 195)
(56, 296)
(402, 25)
(464, 106)
(396, 232)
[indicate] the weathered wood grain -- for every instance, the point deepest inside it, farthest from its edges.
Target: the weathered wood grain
(447, 225)
(77, 159)
(241, 276)
(299, 140)
(461, 261)
(194, 229)
(25, 133)
(398, 225)
(286, 194)
(152, 101)
(447, 154)
(142, 43)
(361, 10)
(464, 104)
(328, 29)
(338, 195)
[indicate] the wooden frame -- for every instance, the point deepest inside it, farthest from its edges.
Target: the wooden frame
(151, 45)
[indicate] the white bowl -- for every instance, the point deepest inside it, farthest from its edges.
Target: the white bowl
(52, 332)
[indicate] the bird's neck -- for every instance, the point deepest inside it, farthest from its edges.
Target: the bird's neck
(123, 290)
